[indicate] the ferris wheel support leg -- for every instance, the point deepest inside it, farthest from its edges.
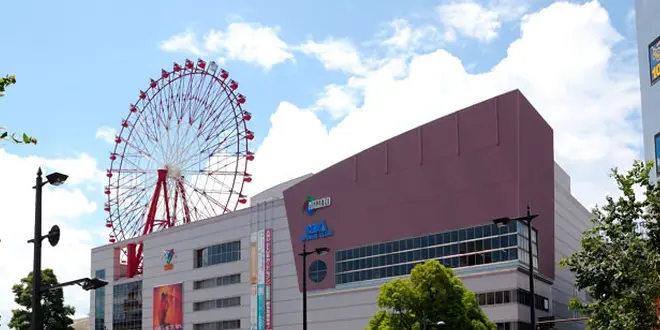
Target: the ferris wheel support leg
(186, 210)
(169, 219)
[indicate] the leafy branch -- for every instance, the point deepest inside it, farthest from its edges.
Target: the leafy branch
(4, 135)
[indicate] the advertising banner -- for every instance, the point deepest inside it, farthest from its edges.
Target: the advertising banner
(253, 281)
(260, 279)
(654, 60)
(269, 279)
(168, 307)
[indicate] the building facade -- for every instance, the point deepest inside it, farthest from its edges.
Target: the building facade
(429, 193)
(648, 50)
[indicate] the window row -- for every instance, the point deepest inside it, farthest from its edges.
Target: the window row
(488, 244)
(512, 296)
(127, 306)
(220, 325)
(99, 303)
(217, 281)
(405, 269)
(454, 236)
(218, 254)
(216, 303)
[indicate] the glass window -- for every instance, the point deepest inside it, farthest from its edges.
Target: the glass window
(417, 243)
(424, 241)
(506, 297)
(470, 233)
(462, 234)
(396, 246)
(425, 254)
(431, 239)
(487, 230)
(454, 236)
(317, 271)
(127, 305)
(490, 298)
(479, 232)
(471, 247)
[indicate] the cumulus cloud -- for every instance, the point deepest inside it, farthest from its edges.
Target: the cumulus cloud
(335, 54)
(569, 72)
(476, 20)
(247, 42)
(250, 43)
(181, 43)
(65, 206)
(106, 134)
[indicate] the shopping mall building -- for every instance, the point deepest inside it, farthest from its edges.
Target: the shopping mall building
(429, 193)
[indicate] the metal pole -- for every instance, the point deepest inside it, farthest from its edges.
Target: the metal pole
(304, 286)
(36, 269)
(532, 308)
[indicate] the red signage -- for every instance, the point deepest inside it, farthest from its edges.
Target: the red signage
(268, 278)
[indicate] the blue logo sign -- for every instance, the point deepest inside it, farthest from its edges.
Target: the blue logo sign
(311, 204)
(654, 60)
(315, 231)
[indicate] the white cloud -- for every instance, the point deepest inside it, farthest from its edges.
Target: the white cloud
(407, 37)
(65, 206)
(336, 54)
(106, 134)
(338, 100)
(477, 20)
(181, 43)
(566, 70)
(470, 19)
(251, 43)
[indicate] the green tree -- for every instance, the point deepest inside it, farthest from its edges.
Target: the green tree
(4, 135)
(618, 264)
(432, 294)
(56, 315)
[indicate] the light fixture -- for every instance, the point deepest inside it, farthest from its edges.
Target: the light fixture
(56, 178)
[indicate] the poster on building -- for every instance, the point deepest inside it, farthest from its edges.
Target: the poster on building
(268, 279)
(654, 60)
(168, 307)
(261, 236)
(253, 281)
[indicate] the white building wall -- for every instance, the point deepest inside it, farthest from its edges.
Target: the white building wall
(647, 14)
(571, 220)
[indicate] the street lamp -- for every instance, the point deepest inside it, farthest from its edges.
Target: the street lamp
(320, 251)
(527, 219)
(53, 236)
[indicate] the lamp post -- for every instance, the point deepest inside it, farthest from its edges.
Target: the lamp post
(319, 251)
(527, 219)
(53, 236)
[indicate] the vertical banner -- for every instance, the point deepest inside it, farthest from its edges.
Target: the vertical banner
(168, 307)
(269, 279)
(260, 279)
(253, 281)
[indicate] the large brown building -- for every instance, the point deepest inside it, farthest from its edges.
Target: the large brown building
(429, 193)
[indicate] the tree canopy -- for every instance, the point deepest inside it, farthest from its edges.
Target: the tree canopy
(4, 135)
(431, 294)
(618, 264)
(56, 315)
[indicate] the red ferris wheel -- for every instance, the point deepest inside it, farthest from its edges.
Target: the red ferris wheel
(180, 156)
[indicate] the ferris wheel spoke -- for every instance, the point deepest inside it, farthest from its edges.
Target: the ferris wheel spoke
(212, 124)
(223, 97)
(195, 106)
(205, 200)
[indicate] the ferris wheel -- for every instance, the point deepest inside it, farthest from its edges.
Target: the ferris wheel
(181, 154)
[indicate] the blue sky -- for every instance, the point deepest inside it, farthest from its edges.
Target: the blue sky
(79, 65)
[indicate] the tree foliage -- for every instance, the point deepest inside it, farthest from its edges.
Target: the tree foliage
(431, 294)
(4, 135)
(56, 315)
(620, 257)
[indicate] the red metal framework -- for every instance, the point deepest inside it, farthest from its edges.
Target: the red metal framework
(180, 156)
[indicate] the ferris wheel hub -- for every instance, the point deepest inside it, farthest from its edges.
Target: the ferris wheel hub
(173, 171)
